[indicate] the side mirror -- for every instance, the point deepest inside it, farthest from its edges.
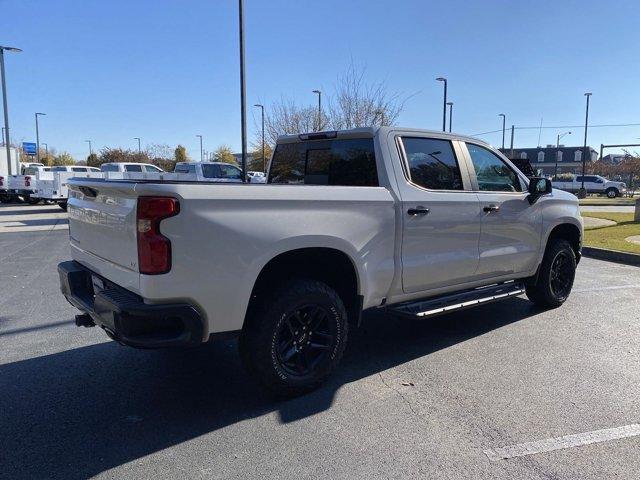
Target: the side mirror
(539, 186)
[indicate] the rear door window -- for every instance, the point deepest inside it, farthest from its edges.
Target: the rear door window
(211, 171)
(78, 169)
(432, 163)
(349, 162)
(109, 168)
(133, 168)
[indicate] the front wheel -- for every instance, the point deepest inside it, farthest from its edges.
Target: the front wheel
(612, 193)
(296, 338)
(556, 275)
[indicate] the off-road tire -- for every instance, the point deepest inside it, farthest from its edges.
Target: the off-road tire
(543, 293)
(270, 320)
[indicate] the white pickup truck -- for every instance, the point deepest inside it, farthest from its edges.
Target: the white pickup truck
(52, 185)
(209, 172)
(592, 184)
(415, 222)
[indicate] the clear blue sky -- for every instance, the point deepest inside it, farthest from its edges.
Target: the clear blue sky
(168, 70)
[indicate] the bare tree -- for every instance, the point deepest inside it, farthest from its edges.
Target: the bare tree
(354, 103)
(359, 104)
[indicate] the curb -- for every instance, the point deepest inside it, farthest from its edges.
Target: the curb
(612, 256)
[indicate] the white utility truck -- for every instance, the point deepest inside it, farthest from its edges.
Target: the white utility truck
(5, 197)
(415, 222)
(52, 185)
(23, 187)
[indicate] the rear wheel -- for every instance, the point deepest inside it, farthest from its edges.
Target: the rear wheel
(295, 339)
(33, 200)
(556, 275)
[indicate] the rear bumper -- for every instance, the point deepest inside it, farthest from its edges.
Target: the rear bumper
(124, 315)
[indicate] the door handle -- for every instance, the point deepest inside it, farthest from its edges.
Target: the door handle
(414, 212)
(490, 208)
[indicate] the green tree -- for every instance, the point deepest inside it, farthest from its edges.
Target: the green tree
(180, 154)
(257, 163)
(94, 161)
(63, 158)
(224, 154)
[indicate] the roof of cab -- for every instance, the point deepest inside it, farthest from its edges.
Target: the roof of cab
(370, 132)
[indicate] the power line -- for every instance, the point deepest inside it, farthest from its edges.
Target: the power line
(562, 126)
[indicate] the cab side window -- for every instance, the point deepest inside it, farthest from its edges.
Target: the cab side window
(492, 173)
(432, 163)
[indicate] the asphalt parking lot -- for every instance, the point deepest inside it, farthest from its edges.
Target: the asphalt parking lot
(432, 399)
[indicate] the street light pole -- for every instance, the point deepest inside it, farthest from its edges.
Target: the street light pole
(243, 92)
(319, 93)
(4, 101)
(450, 114)
(46, 149)
(201, 154)
(444, 104)
(90, 150)
(583, 192)
(560, 135)
(3, 136)
(139, 148)
(504, 121)
(38, 137)
(264, 160)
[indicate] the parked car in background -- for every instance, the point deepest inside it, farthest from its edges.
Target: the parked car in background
(52, 185)
(208, 172)
(414, 222)
(592, 183)
(256, 177)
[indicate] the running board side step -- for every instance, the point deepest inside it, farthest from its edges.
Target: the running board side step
(457, 301)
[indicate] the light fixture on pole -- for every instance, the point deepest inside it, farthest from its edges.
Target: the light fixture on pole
(450, 114)
(264, 160)
(504, 121)
(582, 193)
(7, 142)
(201, 152)
(38, 137)
(560, 135)
(444, 104)
(319, 93)
(139, 147)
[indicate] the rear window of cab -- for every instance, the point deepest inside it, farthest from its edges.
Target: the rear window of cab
(347, 162)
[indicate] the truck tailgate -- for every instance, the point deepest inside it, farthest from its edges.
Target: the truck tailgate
(102, 229)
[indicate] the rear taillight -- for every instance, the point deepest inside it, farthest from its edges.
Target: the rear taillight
(27, 181)
(154, 249)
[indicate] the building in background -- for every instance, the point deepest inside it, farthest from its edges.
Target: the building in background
(543, 159)
(614, 158)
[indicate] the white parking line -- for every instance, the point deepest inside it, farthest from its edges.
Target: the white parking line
(559, 443)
